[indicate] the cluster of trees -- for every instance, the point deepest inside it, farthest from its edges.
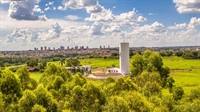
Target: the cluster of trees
(60, 91)
(184, 54)
(72, 62)
(4, 62)
(37, 64)
(191, 55)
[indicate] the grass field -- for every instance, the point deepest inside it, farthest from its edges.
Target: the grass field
(96, 82)
(178, 63)
(36, 75)
(100, 62)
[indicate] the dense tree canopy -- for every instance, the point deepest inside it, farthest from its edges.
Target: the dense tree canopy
(60, 91)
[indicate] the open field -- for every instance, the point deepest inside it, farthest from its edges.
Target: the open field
(96, 82)
(99, 62)
(178, 63)
(36, 75)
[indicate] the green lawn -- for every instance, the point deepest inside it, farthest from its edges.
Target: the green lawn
(36, 75)
(96, 82)
(99, 62)
(174, 62)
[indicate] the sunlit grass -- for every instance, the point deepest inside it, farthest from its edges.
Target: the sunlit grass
(187, 78)
(100, 62)
(174, 62)
(36, 75)
(96, 82)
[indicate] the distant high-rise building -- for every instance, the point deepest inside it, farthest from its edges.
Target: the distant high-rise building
(41, 48)
(87, 47)
(81, 47)
(62, 47)
(35, 49)
(100, 47)
(76, 47)
(67, 47)
(45, 48)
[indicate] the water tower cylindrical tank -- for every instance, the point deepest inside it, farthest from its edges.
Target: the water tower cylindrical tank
(124, 57)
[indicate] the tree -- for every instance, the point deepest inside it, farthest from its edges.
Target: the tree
(10, 87)
(86, 98)
(1, 62)
(136, 101)
(26, 81)
(62, 62)
(170, 84)
(137, 64)
(72, 62)
(152, 88)
(27, 101)
(198, 55)
(194, 94)
(149, 62)
(178, 93)
(52, 71)
(1, 103)
(45, 98)
(179, 53)
(116, 104)
(32, 62)
(38, 108)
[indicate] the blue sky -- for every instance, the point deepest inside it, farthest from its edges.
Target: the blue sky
(26, 24)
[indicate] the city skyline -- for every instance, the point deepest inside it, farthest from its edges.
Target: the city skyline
(26, 24)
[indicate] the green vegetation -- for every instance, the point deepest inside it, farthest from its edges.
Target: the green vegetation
(177, 63)
(36, 75)
(150, 87)
(100, 62)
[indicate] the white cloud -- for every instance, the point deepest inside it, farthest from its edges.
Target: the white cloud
(155, 28)
(83, 29)
(96, 29)
(54, 8)
(51, 3)
(78, 4)
(72, 17)
(131, 17)
(8, 24)
(53, 36)
(178, 26)
(47, 8)
(61, 8)
(37, 9)
(194, 22)
(113, 29)
(94, 9)
(150, 14)
(4, 2)
(114, 7)
(104, 16)
(187, 6)
(54, 31)
(23, 10)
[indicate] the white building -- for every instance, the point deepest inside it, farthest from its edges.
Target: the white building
(124, 57)
(124, 64)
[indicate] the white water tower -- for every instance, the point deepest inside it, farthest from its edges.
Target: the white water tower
(124, 57)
